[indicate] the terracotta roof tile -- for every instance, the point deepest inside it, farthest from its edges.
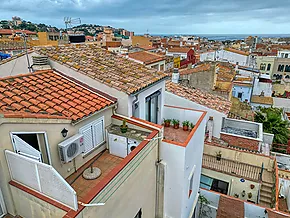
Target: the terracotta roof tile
(113, 70)
(27, 96)
(203, 98)
(146, 57)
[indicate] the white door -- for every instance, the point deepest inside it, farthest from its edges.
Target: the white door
(23, 148)
(2, 206)
(118, 145)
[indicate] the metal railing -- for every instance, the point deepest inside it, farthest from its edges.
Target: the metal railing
(42, 178)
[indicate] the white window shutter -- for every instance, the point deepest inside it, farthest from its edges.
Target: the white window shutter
(98, 129)
(88, 138)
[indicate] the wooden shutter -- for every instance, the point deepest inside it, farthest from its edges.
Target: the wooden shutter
(88, 137)
(98, 129)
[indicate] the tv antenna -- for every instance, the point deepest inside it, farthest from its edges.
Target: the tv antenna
(69, 22)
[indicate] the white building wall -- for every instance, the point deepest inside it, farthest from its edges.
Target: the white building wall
(177, 54)
(207, 56)
(247, 92)
(193, 159)
(232, 57)
(174, 158)
(142, 100)
(260, 86)
(175, 100)
(281, 102)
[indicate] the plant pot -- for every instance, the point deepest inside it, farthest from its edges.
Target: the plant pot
(167, 124)
(218, 158)
(252, 186)
(185, 128)
(123, 129)
(176, 126)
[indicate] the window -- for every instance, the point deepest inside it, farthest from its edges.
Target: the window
(93, 134)
(240, 95)
(287, 68)
(286, 55)
(281, 68)
(269, 67)
(214, 184)
(151, 107)
(190, 180)
(262, 66)
(139, 214)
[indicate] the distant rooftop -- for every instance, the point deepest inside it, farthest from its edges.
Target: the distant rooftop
(146, 57)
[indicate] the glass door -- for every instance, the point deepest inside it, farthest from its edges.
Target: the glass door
(152, 108)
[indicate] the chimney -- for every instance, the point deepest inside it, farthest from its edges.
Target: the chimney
(209, 128)
(175, 75)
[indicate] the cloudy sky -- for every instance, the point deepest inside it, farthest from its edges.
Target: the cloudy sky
(160, 16)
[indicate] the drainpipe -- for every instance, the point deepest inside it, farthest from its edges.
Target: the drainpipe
(158, 156)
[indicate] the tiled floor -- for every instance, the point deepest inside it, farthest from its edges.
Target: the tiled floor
(106, 162)
(177, 135)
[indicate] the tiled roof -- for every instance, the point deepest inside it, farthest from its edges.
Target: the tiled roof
(237, 51)
(146, 57)
(179, 49)
(10, 32)
(11, 45)
(47, 94)
(203, 98)
(262, 100)
(199, 68)
(111, 69)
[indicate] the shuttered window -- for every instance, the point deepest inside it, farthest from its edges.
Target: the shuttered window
(93, 134)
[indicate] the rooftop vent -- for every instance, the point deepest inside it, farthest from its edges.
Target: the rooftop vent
(40, 60)
(175, 75)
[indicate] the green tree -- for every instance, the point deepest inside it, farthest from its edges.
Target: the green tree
(272, 121)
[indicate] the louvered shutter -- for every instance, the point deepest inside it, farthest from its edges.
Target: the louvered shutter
(88, 138)
(98, 129)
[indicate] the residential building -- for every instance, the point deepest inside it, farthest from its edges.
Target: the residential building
(46, 111)
(281, 70)
(149, 59)
(181, 154)
(12, 47)
(139, 90)
(283, 54)
(241, 174)
(266, 64)
(243, 88)
(169, 63)
(215, 78)
(141, 41)
(186, 55)
(177, 62)
(10, 33)
(230, 55)
(46, 38)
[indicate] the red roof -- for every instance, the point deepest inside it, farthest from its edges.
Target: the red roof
(146, 57)
(10, 32)
(179, 49)
(47, 94)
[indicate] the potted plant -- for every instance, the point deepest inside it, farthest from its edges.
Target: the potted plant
(175, 123)
(124, 127)
(218, 155)
(185, 125)
(191, 126)
(252, 186)
(167, 122)
(250, 195)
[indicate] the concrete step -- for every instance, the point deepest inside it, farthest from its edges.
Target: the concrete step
(266, 189)
(265, 204)
(266, 195)
(265, 200)
(266, 184)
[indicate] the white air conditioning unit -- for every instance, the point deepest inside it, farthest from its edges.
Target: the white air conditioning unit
(71, 147)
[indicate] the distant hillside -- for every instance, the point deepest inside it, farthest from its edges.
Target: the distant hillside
(27, 25)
